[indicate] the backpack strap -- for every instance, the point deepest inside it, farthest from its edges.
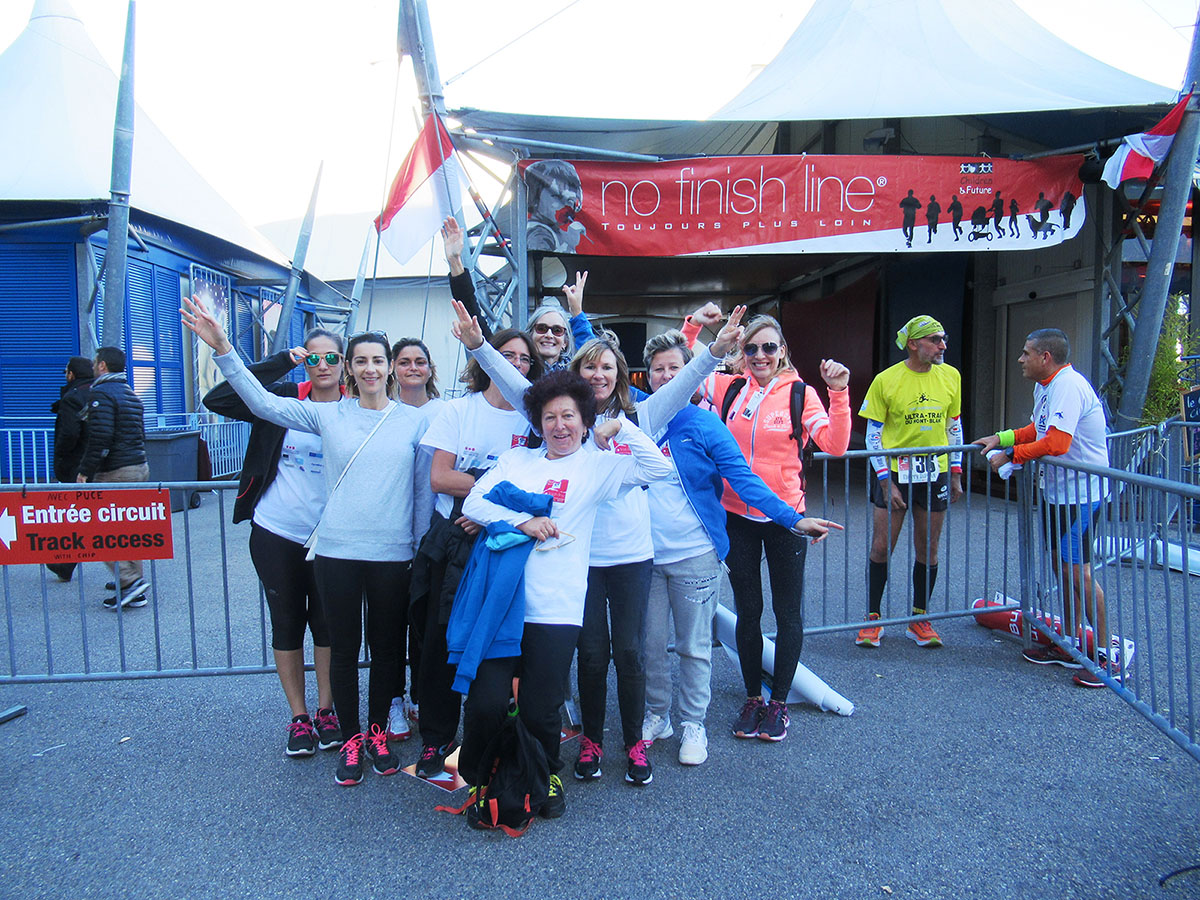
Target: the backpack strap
(796, 408)
(731, 392)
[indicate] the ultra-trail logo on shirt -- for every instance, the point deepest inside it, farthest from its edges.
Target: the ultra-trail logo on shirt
(921, 413)
(557, 488)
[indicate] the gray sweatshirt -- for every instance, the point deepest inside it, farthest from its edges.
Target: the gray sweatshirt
(382, 507)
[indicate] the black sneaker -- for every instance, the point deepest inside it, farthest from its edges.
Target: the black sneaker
(110, 585)
(329, 730)
(302, 737)
(433, 760)
(775, 722)
(587, 766)
(750, 718)
(556, 801)
(638, 769)
(133, 596)
(383, 760)
(350, 762)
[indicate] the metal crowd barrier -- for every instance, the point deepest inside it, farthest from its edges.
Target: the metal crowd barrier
(206, 614)
(27, 444)
(977, 550)
(1142, 562)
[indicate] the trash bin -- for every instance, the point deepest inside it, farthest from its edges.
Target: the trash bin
(171, 456)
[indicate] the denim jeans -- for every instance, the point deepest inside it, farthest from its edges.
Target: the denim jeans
(686, 591)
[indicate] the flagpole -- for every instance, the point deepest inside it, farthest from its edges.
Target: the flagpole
(284, 326)
(112, 333)
(1177, 187)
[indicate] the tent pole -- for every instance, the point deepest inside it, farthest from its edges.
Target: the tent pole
(284, 326)
(1177, 187)
(116, 256)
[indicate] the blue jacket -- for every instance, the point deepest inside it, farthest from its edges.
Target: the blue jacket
(488, 616)
(705, 453)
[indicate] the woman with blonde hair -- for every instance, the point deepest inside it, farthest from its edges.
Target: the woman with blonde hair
(771, 413)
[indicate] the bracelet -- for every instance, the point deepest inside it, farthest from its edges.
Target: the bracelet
(1007, 438)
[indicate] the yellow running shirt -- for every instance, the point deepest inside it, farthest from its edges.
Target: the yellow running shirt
(914, 407)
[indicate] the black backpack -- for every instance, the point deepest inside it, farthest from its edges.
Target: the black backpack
(518, 782)
(795, 407)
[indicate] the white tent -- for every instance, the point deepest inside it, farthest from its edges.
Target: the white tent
(866, 59)
(58, 102)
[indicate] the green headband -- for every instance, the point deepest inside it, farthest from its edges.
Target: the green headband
(917, 327)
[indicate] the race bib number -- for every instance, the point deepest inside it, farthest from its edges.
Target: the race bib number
(917, 469)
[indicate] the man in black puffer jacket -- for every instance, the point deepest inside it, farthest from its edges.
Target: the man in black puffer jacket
(116, 452)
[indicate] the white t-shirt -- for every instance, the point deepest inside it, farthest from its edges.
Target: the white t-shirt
(556, 580)
(622, 532)
(476, 433)
(1070, 404)
(675, 528)
(429, 409)
(292, 504)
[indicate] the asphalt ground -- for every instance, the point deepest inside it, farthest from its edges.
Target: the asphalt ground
(964, 772)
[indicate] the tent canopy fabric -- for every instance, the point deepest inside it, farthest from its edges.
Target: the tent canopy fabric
(58, 102)
(882, 59)
(867, 59)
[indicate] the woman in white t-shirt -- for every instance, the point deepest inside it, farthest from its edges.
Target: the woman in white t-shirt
(466, 439)
(580, 478)
(415, 386)
(622, 553)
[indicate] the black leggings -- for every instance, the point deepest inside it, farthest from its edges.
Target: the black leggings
(343, 583)
(785, 566)
(621, 593)
(291, 589)
(545, 659)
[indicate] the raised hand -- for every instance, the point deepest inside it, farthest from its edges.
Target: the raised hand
(707, 316)
(452, 243)
(297, 354)
(574, 293)
(466, 327)
(836, 376)
(730, 335)
(200, 322)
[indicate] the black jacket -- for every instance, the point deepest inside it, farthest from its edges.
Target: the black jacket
(70, 430)
(261, 464)
(116, 428)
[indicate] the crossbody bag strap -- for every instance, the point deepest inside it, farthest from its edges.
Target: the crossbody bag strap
(312, 538)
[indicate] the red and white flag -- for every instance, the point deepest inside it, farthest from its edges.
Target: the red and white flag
(426, 190)
(1140, 153)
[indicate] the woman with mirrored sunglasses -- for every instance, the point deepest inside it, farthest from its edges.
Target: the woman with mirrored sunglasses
(759, 416)
(282, 491)
(378, 509)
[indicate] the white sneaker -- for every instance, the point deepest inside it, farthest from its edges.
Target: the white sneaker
(693, 748)
(397, 726)
(412, 712)
(655, 727)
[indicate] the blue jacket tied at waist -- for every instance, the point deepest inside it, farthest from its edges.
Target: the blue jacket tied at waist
(488, 617)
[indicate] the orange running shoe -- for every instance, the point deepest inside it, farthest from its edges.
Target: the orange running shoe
(923, 633)
(870, 635)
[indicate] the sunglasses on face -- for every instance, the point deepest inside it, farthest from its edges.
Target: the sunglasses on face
(517, 358)
(542, 328)
(770, 349)
(314, 359)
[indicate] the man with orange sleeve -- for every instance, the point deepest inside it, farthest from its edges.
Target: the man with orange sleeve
(1068, 421)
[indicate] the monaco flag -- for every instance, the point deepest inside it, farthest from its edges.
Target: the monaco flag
(426, 190)
(1140, 153)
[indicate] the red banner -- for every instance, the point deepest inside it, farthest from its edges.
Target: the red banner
(77, 526)
(801, 204)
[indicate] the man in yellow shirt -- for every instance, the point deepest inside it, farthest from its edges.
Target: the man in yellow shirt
(915, 403)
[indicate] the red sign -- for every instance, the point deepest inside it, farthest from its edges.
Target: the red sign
(801, 204)
(77, 526)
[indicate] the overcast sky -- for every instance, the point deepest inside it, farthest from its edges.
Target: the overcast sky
(257, 92)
